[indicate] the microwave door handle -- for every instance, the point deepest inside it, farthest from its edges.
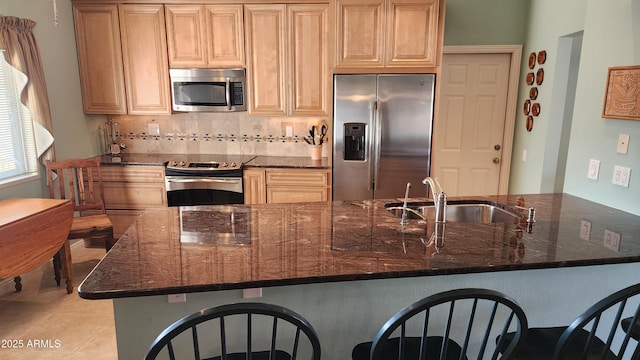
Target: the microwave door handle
(228, 93)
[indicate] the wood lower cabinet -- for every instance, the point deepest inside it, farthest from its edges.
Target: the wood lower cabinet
(388, 33)
(122, 55)
(129, 190)
(287, 59)
(281, 185)
(255, 187)
(205, 35)
(297, 185)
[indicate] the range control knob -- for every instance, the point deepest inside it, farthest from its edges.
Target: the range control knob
(182, 163)
(234, 165)
(224, 164)
(172, 163)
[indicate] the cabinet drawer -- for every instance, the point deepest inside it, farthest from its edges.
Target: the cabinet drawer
(134, 195)
(133, 173)
(281, 194)
(297, 177)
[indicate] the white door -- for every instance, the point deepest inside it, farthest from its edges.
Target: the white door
(470, 127)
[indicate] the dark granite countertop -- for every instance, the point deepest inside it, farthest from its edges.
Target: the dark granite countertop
(299, 162)
(193, 249)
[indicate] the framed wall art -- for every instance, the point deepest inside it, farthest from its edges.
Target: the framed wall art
(622, 95)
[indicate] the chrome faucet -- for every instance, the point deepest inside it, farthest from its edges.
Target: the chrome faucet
(404, 220)
(439, 198)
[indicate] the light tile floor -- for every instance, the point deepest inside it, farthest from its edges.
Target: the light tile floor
(48, 323)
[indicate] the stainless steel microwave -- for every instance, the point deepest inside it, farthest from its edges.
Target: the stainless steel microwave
(213, 90)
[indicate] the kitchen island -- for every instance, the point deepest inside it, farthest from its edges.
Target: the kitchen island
(348, 266)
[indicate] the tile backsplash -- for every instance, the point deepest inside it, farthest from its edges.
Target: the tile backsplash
(215, 133)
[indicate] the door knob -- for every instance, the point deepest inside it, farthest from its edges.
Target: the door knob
(497, 147)
(496, 160)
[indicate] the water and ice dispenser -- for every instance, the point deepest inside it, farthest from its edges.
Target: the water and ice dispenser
(354, 141)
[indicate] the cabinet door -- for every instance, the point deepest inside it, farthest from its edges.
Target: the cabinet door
(308, 60)
(100, 58)
(144, 49)
(360, 39)
(412, 33)
(265, 29)
(186, 38)
(254, 186)
(225, 35)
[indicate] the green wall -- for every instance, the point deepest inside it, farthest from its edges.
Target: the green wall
(75, 133)
(485, 22)
(610, 38)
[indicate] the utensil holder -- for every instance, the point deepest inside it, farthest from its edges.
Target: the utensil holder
(315, 151)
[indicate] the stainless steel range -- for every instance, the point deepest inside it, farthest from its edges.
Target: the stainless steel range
(205, 180)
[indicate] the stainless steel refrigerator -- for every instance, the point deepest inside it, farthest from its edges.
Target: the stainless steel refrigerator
(382, 135)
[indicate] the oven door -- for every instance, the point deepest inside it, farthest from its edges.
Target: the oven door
(198, 190)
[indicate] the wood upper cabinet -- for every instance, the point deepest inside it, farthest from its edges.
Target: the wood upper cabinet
(287, 59)
(122, 55)
(360, 36)
(265, 43)
(388, 33)
(205, 36)
(100, 58)
(308, 59)
(144, 50)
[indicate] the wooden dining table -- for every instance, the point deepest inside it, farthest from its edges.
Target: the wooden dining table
(32, 231)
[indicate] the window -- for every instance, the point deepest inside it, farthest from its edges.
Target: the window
(18, 159)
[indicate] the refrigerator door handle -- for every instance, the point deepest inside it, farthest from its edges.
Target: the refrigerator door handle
(371, 143)
(377, 125)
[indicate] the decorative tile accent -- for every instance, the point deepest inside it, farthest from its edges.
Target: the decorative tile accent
(207, 137)
(270, 138)
(219, 137)
(258, 138)
(232, 138)
(245, 138)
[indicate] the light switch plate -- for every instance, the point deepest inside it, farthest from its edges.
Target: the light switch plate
(623, 143)
(621, 175)
(594, 169)
(612, 240)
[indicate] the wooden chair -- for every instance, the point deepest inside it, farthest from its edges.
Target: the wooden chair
(80, 181)
(458, 324)
(239, 331)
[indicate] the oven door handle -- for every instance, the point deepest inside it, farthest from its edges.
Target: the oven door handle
(203, 180)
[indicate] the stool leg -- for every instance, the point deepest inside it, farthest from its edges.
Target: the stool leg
(56, 267)
(18, 281)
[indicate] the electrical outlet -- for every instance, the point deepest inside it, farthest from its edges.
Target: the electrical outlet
(612, 240)
(176, 298)
(594, 169)
(621, 176)
(251, 293)
(623, 143)
(585, 230)
(154, 129)
(524, 155)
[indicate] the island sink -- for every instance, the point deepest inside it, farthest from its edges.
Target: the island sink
(479, 212)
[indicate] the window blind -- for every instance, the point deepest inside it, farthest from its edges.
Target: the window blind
(18, 159)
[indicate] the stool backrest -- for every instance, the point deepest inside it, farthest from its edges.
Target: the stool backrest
(233, 331)
(457, 324)
(603, 320)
